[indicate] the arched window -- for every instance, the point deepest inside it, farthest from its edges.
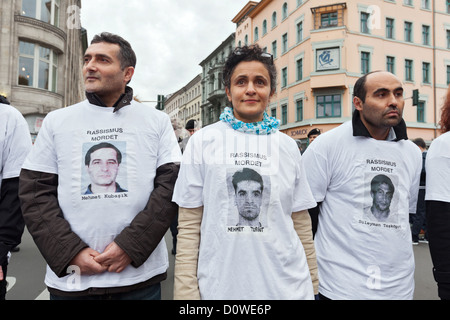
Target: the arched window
(274, 19)
(285, 11)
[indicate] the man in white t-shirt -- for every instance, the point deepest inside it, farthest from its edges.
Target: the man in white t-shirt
(15, 143)
(359, 255)
(107, 243)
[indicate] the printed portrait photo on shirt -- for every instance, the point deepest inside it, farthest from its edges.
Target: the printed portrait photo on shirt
(249, 196)
(381, 198)
(104, 168)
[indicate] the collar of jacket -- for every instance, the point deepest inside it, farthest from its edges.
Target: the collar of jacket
(124, 100)
(360, 130)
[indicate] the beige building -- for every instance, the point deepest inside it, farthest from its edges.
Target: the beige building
(41, 49)
(185, 103)
(321, 47)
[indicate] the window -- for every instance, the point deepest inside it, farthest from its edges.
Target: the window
(448, 39)
(389, 28)
(408, 2)
(408, 70)
(426, 35)
(299, 108)
(264, 26)
(256, 34)
(284, 80)
(284, 114)
(44, 10)
(329, 19)
(426, 72)
(285, 42)
(365, 62)
(364, 22)
(299, 66)
(329, 106)
(448, 75)
(274, 19)
(38, 66)
(274, 49)
(273, 112)
(421, 111)
(425, 4)
(285, 11)
(408, 31)
(390, 64)
(299, 32)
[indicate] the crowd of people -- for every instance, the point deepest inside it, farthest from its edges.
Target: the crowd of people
(252, 216)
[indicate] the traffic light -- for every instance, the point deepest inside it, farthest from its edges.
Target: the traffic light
(415, 97)
(161, 101)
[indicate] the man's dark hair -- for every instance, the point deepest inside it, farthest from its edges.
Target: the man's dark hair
(379, 179)
(127, 56)
(420, 142)
(4, 100)
(103, 145)
(247, 175)
(314, 132)
(360, 87)
(249, 53)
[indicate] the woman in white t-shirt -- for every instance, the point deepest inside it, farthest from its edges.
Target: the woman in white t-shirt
(437, 196)
(244, 229)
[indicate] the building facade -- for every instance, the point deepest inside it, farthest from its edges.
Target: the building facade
(185, 103)
(41, 49)
(214, 98)
(321, 47)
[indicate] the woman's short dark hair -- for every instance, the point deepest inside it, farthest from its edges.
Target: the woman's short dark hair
(249, 53)
(127, 56)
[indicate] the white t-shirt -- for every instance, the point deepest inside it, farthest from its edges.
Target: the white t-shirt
(145, 139)
(15, 141)
(359, 255)
(437, 167)
(263, 261)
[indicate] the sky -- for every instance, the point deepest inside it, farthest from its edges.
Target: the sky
(170, 37)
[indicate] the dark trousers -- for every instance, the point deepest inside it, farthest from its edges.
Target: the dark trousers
(3, 283)
(419, 219)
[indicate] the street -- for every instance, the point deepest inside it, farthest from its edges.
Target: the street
(27, 268)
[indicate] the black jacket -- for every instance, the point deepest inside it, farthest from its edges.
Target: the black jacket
(11, 221)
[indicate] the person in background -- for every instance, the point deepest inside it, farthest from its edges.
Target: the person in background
(437, 200)
(313, 134)
(15, 144)
(419, 219)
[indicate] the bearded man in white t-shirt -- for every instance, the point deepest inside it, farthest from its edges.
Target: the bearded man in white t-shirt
(107, 243)
(360, 257)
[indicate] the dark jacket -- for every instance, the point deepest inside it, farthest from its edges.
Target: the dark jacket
(11, 221)
(438, 224)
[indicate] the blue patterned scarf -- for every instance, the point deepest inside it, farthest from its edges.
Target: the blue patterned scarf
(267, 126)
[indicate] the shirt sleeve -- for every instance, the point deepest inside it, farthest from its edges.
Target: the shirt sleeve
(16, 147)
(303, 199)
(168, 145)
(316, 168)
(43, 157)
(189, 186)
